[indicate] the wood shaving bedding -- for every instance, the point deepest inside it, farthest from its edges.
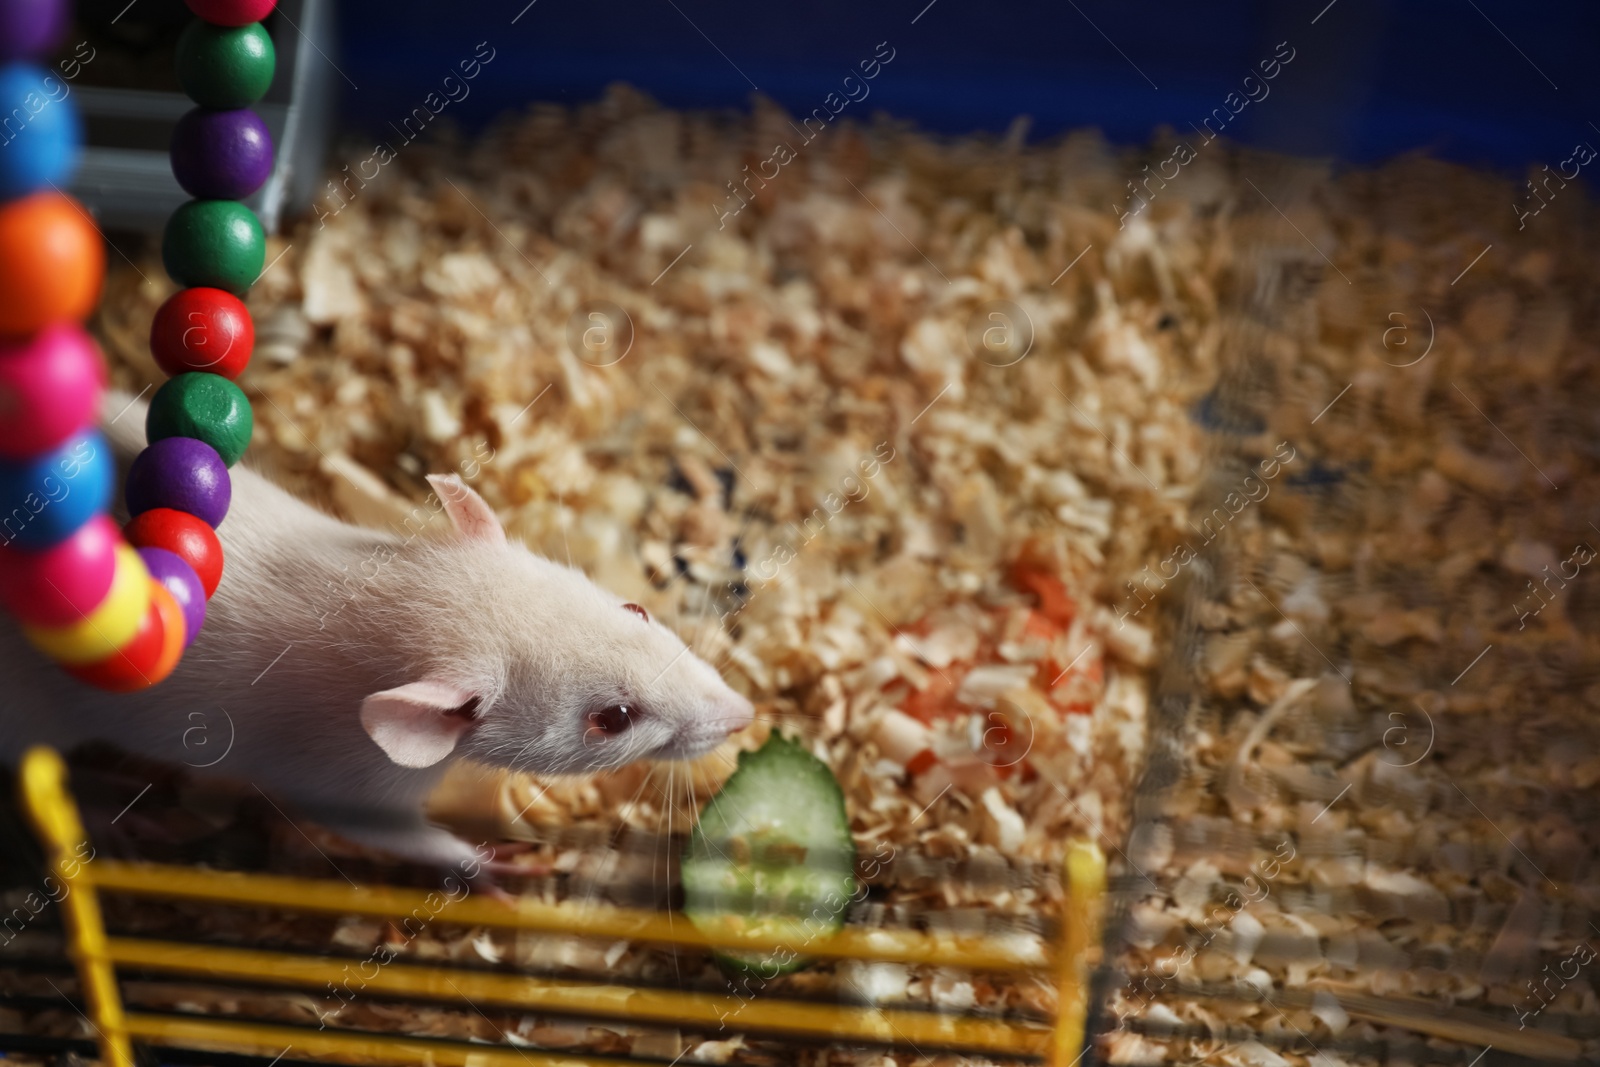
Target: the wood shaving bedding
(1367, 706)
(925, 622)
(799, 384)
(904, 545)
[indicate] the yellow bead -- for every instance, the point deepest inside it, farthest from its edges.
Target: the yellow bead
(106, 628)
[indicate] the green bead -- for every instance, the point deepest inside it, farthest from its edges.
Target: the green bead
(216, 243)
(206, 407)
(225, 66)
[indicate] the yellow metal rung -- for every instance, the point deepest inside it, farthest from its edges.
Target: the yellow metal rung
(608, 923)
(332, 1046)
(1086, 886)
(711, 1011)
(55, 820)
(55, 817)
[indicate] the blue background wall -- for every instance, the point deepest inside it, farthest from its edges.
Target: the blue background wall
(1370, 78)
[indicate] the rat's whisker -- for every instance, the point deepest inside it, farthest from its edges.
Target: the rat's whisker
(666, 880)
(632, 803)
(615, 838)
(694, 808)
(522, 752)
(690, 811)
(739, 816)
(780, 718)
(670, 773)
(649, 777)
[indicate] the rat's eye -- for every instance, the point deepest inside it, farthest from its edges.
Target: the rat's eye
(637, 610)
(611, 721)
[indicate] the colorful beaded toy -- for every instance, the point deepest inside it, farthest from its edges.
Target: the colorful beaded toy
(117, 609)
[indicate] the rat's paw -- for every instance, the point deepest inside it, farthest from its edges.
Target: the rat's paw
(423, 843)
(486, 868)
(481, 868)
(516, 858)
(510, 861)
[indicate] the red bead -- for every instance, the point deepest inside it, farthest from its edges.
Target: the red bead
(185, 536)
(130, 667)
(202, 330)
(232, 12)
(149, 656)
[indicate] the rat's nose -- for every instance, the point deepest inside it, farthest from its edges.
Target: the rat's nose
(736, 715)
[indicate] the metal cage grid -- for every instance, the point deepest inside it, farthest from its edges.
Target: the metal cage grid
(53, 812)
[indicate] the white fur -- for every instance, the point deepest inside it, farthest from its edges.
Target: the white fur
(313, 615)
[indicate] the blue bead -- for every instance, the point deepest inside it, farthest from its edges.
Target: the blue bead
(40, 132)
(45, 499)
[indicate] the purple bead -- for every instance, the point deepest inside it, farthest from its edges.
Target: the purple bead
(183, 583)
(29, 29)
(183, 474)
(221, 155)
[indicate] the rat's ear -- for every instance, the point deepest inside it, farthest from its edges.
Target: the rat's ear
(469, 513)
(418, 724)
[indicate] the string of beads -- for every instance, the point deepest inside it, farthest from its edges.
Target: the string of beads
(116, 608)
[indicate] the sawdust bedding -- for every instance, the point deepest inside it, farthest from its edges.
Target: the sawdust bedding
(912, 550)
(902, 538)
(800, 457)
(1378, 812)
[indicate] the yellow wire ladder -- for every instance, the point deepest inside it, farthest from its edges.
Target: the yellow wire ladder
(54, 815)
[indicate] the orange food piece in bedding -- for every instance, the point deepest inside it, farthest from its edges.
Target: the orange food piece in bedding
(1043, 626)
(1052, 674)
(1057, 682)
(937, 699)
(1055, 603)
(1052, 618)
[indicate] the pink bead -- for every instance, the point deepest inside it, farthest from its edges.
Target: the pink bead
(50, 386)
(232, 12)
(61, 584)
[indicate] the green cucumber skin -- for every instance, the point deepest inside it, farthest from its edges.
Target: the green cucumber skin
(788, 800)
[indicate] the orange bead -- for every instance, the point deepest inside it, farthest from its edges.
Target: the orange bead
(173, 624)
(52, 262)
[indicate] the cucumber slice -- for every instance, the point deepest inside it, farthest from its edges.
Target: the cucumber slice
(771, 855)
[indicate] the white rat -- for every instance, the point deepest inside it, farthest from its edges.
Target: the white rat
(354, 665)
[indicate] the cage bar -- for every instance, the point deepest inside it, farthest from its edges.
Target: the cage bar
(55, 817)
